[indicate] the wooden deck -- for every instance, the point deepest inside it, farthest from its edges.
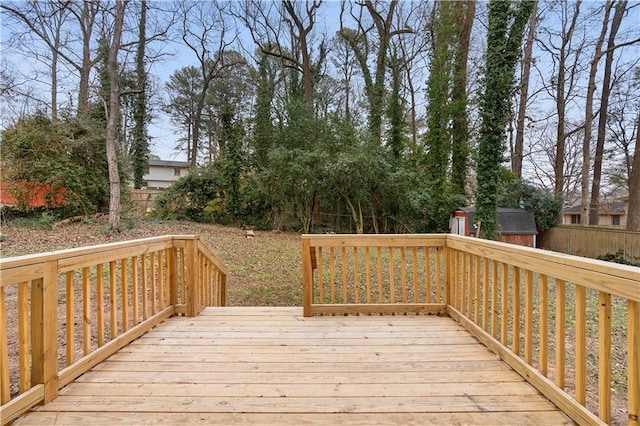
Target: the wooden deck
(273, 366)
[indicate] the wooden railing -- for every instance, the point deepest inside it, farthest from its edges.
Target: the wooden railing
(61, 313)
(568, 325)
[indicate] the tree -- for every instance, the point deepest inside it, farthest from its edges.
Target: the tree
(362, 43)
(506, 28)
(140, 154)
(113, 116)
(633, 220)
(620, 10)
(205, 31)
(518, 148)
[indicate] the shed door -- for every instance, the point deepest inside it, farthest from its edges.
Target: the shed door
(458, 226)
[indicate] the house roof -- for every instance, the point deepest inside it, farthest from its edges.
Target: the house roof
(510, 221)
(168, 163)
(611, 208)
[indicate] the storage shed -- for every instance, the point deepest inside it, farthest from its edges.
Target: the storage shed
(515, 226)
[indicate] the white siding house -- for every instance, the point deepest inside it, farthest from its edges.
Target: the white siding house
(162, 173)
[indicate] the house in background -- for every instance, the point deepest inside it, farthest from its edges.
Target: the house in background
(613, 214)
(162, 173)
(515, 226)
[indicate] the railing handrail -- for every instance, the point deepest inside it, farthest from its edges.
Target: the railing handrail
(614, 278)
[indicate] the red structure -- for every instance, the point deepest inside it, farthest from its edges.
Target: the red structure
(30, 194)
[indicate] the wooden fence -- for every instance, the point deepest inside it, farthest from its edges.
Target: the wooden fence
(143, 199)
(560, 321)
(71, 309)
(592, 241)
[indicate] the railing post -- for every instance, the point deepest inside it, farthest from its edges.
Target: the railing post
(44, 335)
(307, 278)
(633, 360)
(192, 278)
(447, 272)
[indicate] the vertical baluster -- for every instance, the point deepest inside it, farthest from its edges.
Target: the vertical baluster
(485, 293)
(367, 257)
(161, 300)
(343, 267)
(5, 390)
(494, 299)
(23, 336)
(134, 286)
(414, 263)
(544, 324)
(144, 277)
(183, 277)
(604, 358)
(356, 290)
(70, 310)
(427, 274)
(504, 317)
(581, 344)
(124, 288)
(515, 346)
(380, 289)
(633, 362)
(560, 333)
(403, 275)
(320, 277)
(86, 311)
(332, 273)
(112, 299)
(100, 302)
(469, 284)
(476, 291)
(438, 280)
(153, 283)
(528, 316)
(392, 286)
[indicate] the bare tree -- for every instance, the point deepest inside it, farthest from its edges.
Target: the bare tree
(362, 41)
(46, 21)
(113, 117)
(620, 10)
(633, 217)
(518, 148)
(205, 31)
(566, 62)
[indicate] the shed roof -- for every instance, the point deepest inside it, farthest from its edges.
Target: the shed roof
(168, 163)
(510, 221)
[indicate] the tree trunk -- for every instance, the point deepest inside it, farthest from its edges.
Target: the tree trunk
(589, 116)
(115, 209)
(633, 215)
(561, 96)
(602, 119)
(518, 150)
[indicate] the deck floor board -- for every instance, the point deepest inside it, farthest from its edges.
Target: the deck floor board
(272, 366)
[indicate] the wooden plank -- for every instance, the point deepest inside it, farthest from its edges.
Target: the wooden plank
(308, 418)
(86, 311)
(380, 240)
(299, 390)
(633, 362)
(283, 403)
(560, 333)
(100, 303)
(70, 319)
(581, 345)
(467, 375)
(12, 276)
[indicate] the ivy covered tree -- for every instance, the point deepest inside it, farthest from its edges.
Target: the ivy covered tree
(507, 21)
